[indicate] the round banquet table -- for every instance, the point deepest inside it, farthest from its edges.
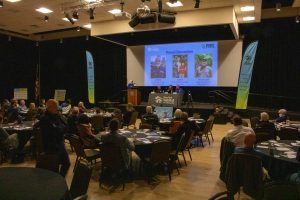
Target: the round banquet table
(283, 162)
(23, 183)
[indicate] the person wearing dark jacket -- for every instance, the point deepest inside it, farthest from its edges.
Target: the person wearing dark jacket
(53, 128)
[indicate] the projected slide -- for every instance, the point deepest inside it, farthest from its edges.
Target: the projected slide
(185, 64)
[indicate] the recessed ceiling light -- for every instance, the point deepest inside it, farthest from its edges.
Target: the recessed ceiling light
(173, 5)
(13, 1)
(115, 11)
(249, 18)
(247, 8)
(89, 26)
(44, 10)
(66, 19)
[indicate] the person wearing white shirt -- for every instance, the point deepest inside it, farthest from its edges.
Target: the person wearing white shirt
(238, 133)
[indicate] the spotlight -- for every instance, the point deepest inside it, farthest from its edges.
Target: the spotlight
(9, 38)
(69, 18)
(78, 28)
(197, 3)
(37, 44)
(166, 18)
(87, 37)
(75, 15)
(135, 20)
(46, 18)
(278, 6)
(151, 18)
(1, 4)
(297, 19)
(61, 40)
(91, 12)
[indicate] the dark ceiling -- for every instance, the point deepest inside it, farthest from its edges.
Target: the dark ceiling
(272, 3)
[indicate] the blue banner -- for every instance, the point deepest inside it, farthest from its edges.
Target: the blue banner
(90, 77)
(245, 76)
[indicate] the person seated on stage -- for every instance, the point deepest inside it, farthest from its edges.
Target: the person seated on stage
(176, 121)
(131, 84)
(13, 112)
(237, 134)
(22, 107)
(264, 125)
(179, 90)
(158, 90)
(7, 141)
(82, 108)
(66, 107)
(84, 128)
(150, 117)
(73, 121)
(282, 116)
(170, 89)
(117, 114)
(128, 113)
(123, 142)
(32, 112)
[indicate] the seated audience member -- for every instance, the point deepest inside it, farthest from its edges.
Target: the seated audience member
(13, 112)
(179, 90)
(53, 129)
(7, 141)
(150, 117)
(176, 121)
(42, 107)
(282, 116)
(117, 114)
(32, 112)
(170, 89)
(22, 106)
(114, 137)
(177, 115)
(66, 107)
(264, 125)
(85, 131)
(158, 89)
(73, 120)
(128, 113)
(237, 134)
(248, 147)
(82, 108)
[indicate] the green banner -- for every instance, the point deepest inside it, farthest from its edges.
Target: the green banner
(245, 76)
(90, 77)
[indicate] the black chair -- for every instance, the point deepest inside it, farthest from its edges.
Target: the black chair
(174, 153)
(264, 136)
(207, 130)
(88, 155)
(288, 134)
(226, 150)
(186, 145)
(97, 123)
(133, 118)
(145, 126)
(281, 190)
(49, 162)
(254, 121)
(80, 182)
(113, 166)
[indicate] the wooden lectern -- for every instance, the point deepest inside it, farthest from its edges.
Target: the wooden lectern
(133, 96)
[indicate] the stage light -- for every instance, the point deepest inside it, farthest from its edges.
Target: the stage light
(166, 18)
(135, 20)
(44, 10)
(1, 4)
(87, 37)
(174, 4)
(197, 4)
(61, 41)
(75, 15)
(297, 19)
(151, 18)
(46, 18)
(70, 19)
(91, 12)
(278, 6)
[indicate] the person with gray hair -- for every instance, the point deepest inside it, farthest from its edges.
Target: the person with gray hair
(264, 125)
(150, 117)
(282, 116)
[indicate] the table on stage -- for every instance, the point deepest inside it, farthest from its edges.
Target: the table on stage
(163, 99)
(24, 183)
(281, 160)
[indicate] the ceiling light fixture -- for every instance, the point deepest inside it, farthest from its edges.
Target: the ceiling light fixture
(75, 15)
(89, 26)
(115, 11)
(91, 12)
(13, 1)
(174, 4)
(197, 4)
(247, 8)
(46, 18)
(70, 19)
(166, 18)
(278, 6)
(44, 10)
(78, 28)
(1, 4)
(249, 18)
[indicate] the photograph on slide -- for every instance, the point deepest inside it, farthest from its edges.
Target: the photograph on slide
(203, 63)
(180, 66)
(158, 66)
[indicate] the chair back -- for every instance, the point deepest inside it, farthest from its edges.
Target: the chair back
(38, 139)
(187, 140)
(77, 145)
(226, 150)
(288, 134)
(160, 151)
(180, 143)
(207, 127)
(212, 120)
(145, 126)
(174, 126)
(245, 171)
(245, 123)
(133, 118)
(97, 122)
(111, 156)
(254, 121)
(48, 161)
(81, 180)
(264, 136)
(280, 190)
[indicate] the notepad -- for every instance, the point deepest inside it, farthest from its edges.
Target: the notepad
(282, 149)
(263, 147)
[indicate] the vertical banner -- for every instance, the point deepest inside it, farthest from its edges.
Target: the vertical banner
(90, 77)
(21, 93)
(245, 76)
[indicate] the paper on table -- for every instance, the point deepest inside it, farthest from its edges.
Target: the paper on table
(264, 143)
(263, 147)
(163, 137)
(282, 149)
(273, 141)
(290, 152)
(295, 144)
(291, 156)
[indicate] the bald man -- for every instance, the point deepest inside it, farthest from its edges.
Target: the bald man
(53, 128)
